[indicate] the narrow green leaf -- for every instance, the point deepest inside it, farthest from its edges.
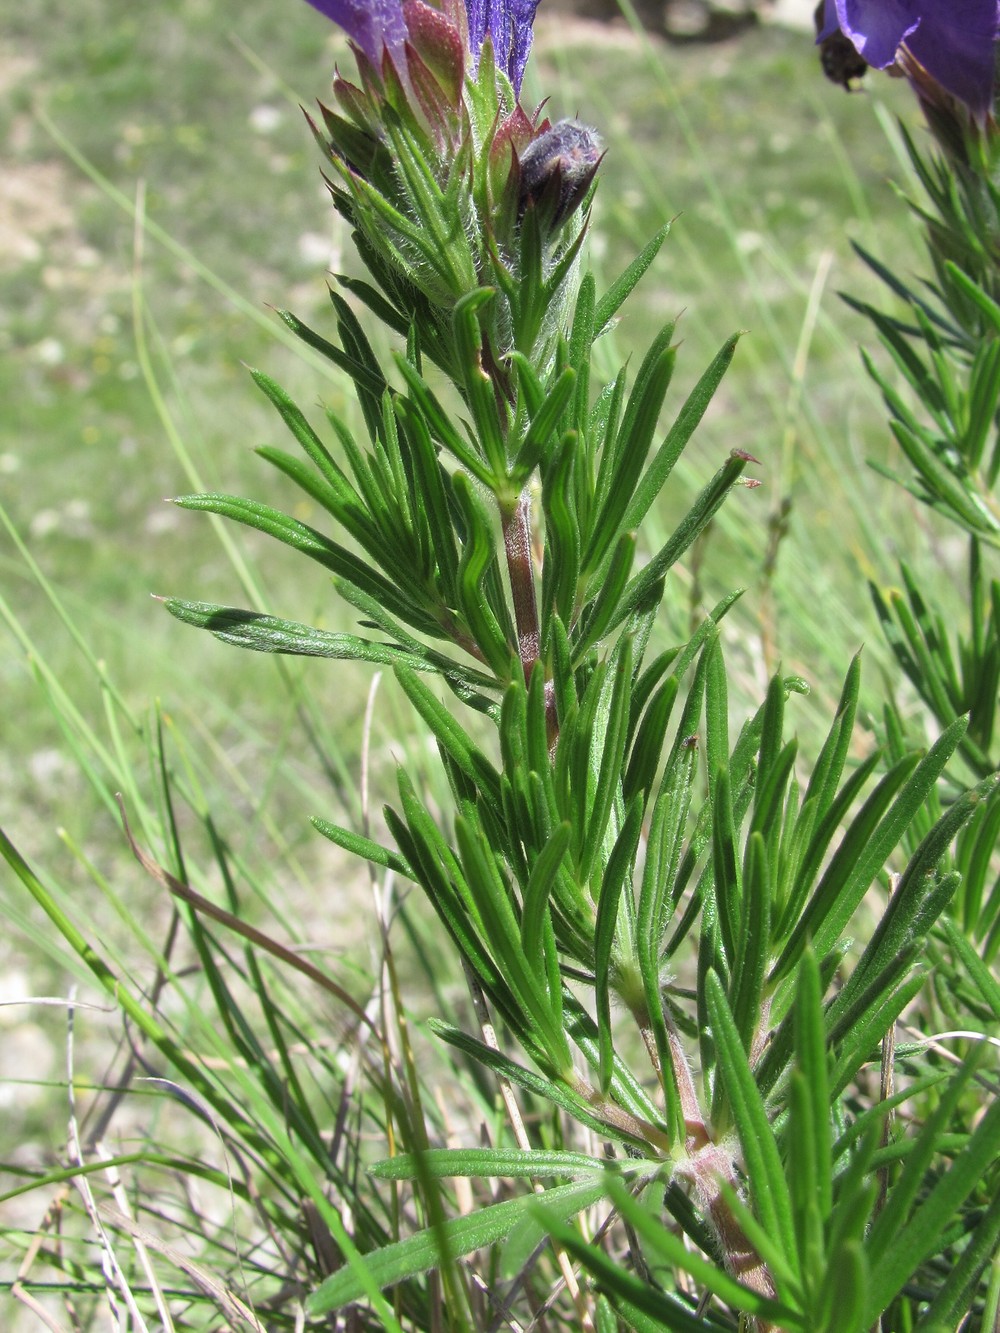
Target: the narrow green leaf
(465, 680)
(896, 1255)
(544, 870)
(829, 766)
(647, 748)
(436, 868)
(802, 1154)
(624, 1289)
(768, 1186)
(598, 435)
(668, 826)
(891, 280)
(598, 614)
(913, 369)
(620, 289)
(420, 1252)
(383, 310)
(859, 1030)
(311, 444)
(616, 875)
(970, 289)
(269, 634)
(954, 1297)
(342, 503)
(698, 516)
(477, 387)
(488, 1163)
(605, 749)
(433, 486)
(646, 685)
(949, 491)
(478, 554)
(855, 1186)
(848, 879)
(842, 1298)
(716, 714)
(753, 939)
(726, 877)
(358, 347)
(454, 740)
(665, 843)
(374, 384)
(770, 792)
(979, 974)
(561, 565)
(584, 329)
(543, 434)
(671, 1250)
(875, 1115)
(809, 838)
(493, 896)
(358, 845)
(919, 898)
(440, 423)
(623, 458)
(811, 1059)
(313, 544)
(982, 402)
(771, 745)
(558, 1094)
(883, 1239)
(677, 437)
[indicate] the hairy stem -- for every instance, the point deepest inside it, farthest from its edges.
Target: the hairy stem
(709, 1170)
(708, 1165)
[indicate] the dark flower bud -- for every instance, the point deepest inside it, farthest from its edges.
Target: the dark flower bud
(557, 168)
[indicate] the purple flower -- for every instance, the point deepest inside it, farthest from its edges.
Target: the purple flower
(377, 25)
(952, 39)
(370, 24)
(508, 23)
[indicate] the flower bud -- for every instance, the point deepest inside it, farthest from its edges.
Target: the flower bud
(451, 186)
(557, 169)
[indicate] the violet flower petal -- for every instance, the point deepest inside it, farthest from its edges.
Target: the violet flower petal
(508, 23)
(831, 21)
(877, 27)
(374, 24)
(523, 13)
(959, 51)
(371, 25)
(953, 39)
